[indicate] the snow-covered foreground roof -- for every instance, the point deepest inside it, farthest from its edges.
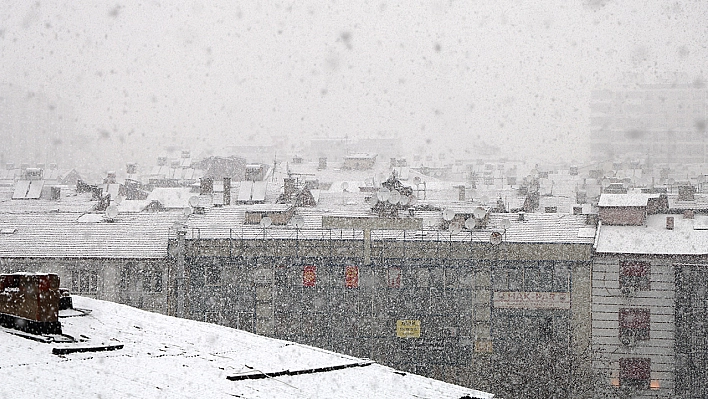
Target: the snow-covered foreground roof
(177, 358)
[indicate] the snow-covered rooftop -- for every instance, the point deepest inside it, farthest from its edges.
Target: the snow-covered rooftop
(688, 237)
(75, 235)
(227, 222)
(629, 199)
(167, 357)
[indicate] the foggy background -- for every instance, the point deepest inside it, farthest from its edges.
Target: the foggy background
(98, 84)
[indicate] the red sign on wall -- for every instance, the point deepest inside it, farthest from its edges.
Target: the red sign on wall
(309, 276)
(351, 276)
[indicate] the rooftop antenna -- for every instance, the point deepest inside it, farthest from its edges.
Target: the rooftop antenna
(265, 223)
(455, 228)
(495, 238)
(470, 223)
(448, 214)
(111, 213)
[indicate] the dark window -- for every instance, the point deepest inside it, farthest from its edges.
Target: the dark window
(84, 281)
(152, 279)
(212, 275)
(126, 274)
(635, 372)
(634, 275)
(394, 277)
(561, 275)
(633, 325)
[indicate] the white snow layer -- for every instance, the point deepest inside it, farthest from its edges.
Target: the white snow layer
(167, 357)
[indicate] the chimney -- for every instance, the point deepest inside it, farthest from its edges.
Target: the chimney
(111, 178)
(206, 185)
(688, 214)
(323, 163)
(289, 186)
(685, 193)
(393, 162)
(227, 191)
(186, 154)
(96, 193)
(56, 193)
(461, 193)
(161, 161)
(131, 168)
(522, 216)
(53, 166)
(669, 223)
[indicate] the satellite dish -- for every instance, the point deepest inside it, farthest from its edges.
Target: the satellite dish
(383, 194)
(394, 197)
(404, 200)
(266, 222)
(345, 185)
(495, 238)
(412, 200)
(484, 199)
(671, 182)
(448, 214)
(505, 223)
(194, 201)
(455, 228)
(416, 180)
(374, 200)
(187, 210)
(479, 213)
(298, 221)
(112, 211)
(118, 200)
(470, 223)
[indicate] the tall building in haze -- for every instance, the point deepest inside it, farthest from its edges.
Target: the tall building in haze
(657, 123)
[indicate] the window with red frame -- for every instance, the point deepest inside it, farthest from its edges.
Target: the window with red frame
(634, 274)
(635, 372)
(394, 277)
(633, 324)
(309, 276)
(351, 276)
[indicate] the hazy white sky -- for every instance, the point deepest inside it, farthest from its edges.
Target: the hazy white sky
(148, 75)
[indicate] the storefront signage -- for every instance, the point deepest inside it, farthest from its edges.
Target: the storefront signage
(531, 300)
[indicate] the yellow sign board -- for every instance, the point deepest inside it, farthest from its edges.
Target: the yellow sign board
(408, 328)
(483, 346)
